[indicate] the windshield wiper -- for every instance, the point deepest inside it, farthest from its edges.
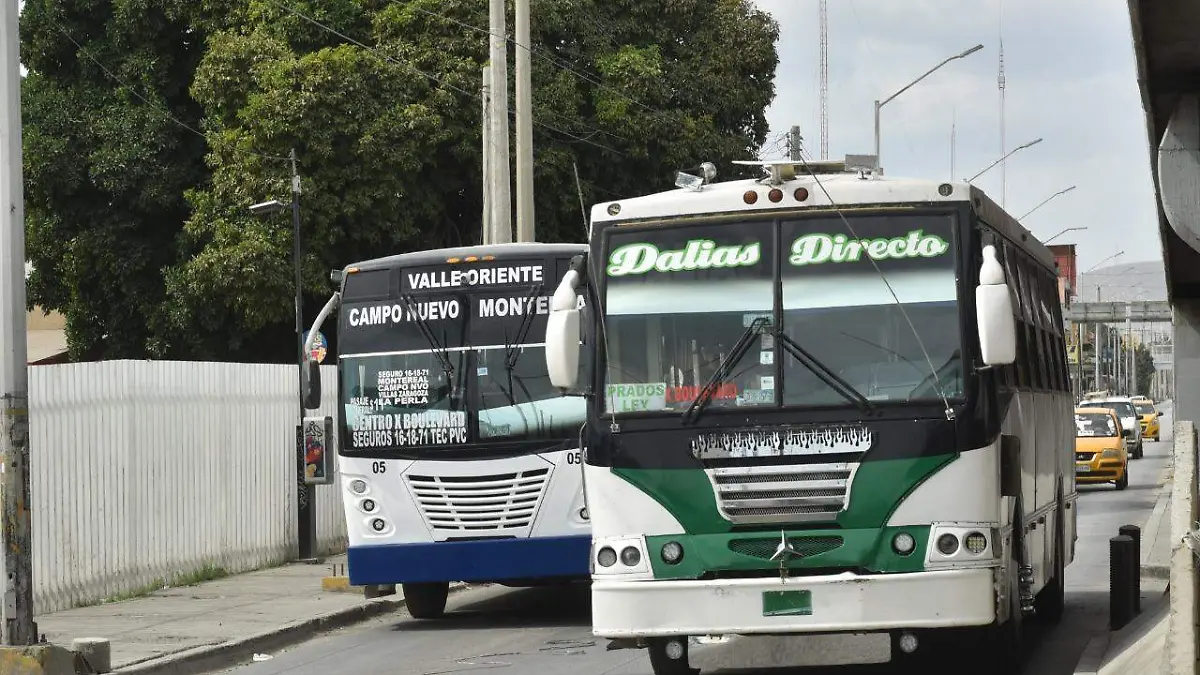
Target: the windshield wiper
(511, 352)
(822, 371)
(723, 368)
(439, 352)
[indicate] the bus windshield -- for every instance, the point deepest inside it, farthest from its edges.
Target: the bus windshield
(682, 301)
(437, 369)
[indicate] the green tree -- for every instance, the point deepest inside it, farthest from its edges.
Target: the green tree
(107, 161)
(388, 141)
(1144, 362)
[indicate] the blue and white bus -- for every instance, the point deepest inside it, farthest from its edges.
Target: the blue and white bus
(458, 460)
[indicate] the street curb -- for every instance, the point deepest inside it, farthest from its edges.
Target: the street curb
(1092, 658)
(1095, 655)
(208, 658)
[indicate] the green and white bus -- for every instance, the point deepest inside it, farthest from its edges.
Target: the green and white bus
(833, 402)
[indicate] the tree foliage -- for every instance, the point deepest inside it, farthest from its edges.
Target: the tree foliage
(380, 101)
(1144, 362)
(107, 161)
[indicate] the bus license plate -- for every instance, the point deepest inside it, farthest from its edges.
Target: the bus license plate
(787, 603)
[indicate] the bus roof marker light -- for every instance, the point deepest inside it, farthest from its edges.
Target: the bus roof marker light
(775, 195)
(453, 260)
(750, 197)
(945, 189)
(614, 209)
(800, 194)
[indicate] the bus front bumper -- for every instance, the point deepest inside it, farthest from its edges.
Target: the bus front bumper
(482, 560)
(839, 603)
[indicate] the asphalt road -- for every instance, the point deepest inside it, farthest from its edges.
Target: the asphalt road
(547, 631)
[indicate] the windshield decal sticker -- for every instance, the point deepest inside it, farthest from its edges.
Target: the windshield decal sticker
(814, 249)
(475, 276)
(403, 387)
(431, 310)
(636, 397)
(825, 440)
(698, 254)
(432, 427)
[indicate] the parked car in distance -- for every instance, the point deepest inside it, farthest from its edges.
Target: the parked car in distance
(1100, 451)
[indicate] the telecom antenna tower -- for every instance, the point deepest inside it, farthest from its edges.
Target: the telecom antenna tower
(824, 80)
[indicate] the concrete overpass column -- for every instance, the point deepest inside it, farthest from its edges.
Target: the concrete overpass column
(1187, 359)
(1178, 164)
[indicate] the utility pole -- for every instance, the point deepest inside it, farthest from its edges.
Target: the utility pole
(824, 21)
(1000, 83)
(306, 505)
(794, 141)
(486, 125)
(501, 201)
(953, 140)
(524, 85)
(1098, 347)
(1130, 350)
(19, 627)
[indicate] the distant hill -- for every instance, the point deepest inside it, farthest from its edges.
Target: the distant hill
(1124, 282)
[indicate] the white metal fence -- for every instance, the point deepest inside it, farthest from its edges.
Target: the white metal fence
(146, 470)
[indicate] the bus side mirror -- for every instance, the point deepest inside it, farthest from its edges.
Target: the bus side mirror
(562, 333)
(312, 385)
(993, 306)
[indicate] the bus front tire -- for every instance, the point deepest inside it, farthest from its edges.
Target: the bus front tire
(426, 600)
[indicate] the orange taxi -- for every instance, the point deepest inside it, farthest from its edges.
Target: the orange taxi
(1100, 455)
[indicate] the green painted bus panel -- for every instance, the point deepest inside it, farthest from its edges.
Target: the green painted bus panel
(877, 490)
(879, 487)
(686, 493)
(866, 549)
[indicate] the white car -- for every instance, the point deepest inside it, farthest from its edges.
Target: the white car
(1123, 406)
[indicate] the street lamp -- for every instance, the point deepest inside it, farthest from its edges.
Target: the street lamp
(1044, 201)
(1069, 229)
(880, 104)
(1010, 154)
(306, 508)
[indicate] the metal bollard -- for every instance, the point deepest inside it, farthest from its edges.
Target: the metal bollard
(1134, 532)
(1120, 600)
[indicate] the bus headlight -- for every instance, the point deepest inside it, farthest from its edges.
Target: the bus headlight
(606, 557)
(368, 505)
(672, 552)
(378, 524)
(903, 543)
(358, 486)
(947, 544)
(631, 556)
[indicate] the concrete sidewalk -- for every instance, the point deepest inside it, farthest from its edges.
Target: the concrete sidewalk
(1139, 646)
(219, 623)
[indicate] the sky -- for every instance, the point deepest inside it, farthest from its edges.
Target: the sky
(1070, 79)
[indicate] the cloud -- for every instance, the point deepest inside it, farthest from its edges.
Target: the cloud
(1070, 79)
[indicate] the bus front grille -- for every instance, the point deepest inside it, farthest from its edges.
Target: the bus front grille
(783, 493)
(764, 548)
(479, 503)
